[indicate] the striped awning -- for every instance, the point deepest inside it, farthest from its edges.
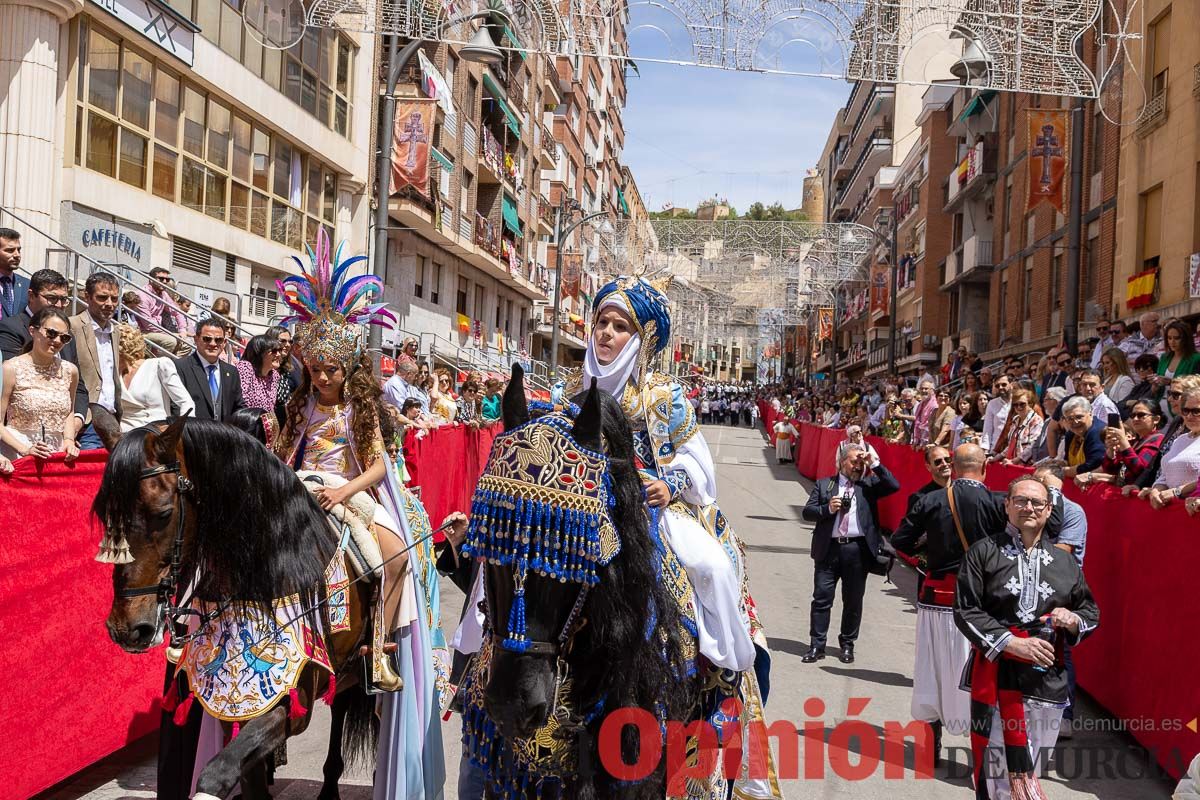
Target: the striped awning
(499, 96)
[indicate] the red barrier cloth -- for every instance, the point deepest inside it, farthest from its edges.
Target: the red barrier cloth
(69, 695)
(1144, 643)
(446, 464)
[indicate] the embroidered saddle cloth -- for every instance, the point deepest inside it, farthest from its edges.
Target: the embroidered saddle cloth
(245, 661)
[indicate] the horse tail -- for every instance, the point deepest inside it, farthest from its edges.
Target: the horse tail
(361, 731)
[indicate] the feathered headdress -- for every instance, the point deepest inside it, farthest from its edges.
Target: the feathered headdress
(329, 307)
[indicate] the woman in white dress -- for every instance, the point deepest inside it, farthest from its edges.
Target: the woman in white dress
(151, 385)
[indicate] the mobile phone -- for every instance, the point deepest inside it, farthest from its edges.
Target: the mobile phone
(1114, 420)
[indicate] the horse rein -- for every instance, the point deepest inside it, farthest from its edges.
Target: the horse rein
(167, 590)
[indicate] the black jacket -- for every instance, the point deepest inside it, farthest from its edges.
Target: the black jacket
(876, 484)
(195, 380)
(14, 335)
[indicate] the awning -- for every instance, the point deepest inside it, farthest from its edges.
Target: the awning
(514, 41)
(621, 200)
(509, 208)
(977, 104)
(446, 163)
(498, 95)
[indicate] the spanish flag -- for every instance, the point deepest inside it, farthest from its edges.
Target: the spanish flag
(464, 324)
(1139, 290)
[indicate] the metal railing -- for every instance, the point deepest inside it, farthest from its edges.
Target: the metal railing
(1154, 115)
(125, 276)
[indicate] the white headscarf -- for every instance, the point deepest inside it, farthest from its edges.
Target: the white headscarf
(613, 377)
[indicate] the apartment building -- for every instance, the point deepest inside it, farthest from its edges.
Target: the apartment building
(161, 134)
(1029, 265)
(1157, 240)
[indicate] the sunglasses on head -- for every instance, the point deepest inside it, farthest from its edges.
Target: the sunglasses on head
(55, 336)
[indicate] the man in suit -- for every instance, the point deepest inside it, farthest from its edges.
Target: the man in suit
(213, 384)
(46, 288)
(97, 343)
(845, 541)
(14, 288)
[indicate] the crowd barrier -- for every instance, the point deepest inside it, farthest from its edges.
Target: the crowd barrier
(69, 695)
(1139, 563)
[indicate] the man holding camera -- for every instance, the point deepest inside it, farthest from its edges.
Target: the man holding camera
(846, 545)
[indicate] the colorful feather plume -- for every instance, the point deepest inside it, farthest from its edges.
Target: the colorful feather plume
(328, 306)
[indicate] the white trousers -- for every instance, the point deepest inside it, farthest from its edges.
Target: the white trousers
(1042, 724)
(717, 582)
(942, 652)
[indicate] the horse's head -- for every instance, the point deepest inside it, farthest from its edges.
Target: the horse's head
(142, 507)
(540, 520)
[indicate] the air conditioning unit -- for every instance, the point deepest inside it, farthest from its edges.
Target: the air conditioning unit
(589, 162)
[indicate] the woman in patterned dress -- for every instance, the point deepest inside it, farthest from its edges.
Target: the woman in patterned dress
(36, 406)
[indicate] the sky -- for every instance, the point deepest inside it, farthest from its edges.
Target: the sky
(693, 132)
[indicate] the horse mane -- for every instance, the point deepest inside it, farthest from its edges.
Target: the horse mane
(259, 535)
(634, 621)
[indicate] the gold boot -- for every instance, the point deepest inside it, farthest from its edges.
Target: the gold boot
(383, 674)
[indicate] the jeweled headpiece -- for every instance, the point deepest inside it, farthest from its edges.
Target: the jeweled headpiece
(646, 303)
(542, 505)
(330, 307)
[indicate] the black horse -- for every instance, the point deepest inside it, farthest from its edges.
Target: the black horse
(627, 648)
(178, 497)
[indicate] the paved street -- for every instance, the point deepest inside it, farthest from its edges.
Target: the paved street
(763, 500)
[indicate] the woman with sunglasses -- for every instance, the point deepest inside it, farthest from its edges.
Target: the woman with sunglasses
(441, 401)
(1130, 449)
(1180, 466)
(1024, 431)
(1173, 429)
(37, 402)
(263, 384)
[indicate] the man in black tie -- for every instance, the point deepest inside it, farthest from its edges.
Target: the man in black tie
(213, 384)
(846, 540)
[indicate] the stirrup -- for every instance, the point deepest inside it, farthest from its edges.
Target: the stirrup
(383, 675)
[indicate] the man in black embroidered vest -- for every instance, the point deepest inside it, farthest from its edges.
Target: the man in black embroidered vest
(1019, 601)
(846, 542)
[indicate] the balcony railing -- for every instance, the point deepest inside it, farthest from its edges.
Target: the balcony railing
(487, 235)
(1154, 115)
(879, 137)
(976, 253)
(549, 145)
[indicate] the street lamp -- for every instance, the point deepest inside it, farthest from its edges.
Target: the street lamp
(571, 206)
(481, 50)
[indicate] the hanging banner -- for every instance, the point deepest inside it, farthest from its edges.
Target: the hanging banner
(802, 336)
(825, 323)
(464, 323)
(1139, 290)
(879, 288)
(1194, 275)
(434, 85)
(572, 277)
(411, 139)
(1049, 134)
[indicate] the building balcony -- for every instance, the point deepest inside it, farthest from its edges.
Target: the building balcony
(1155, 114)
(545, 215)
(973, 175)
(876, 152)
(495, 165)
(970, 262)
(547, 152)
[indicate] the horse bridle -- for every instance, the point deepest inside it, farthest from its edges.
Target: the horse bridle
(167, 589)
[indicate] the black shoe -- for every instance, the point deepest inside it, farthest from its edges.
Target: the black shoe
(936, 725)
(847, 656)
(813, 654)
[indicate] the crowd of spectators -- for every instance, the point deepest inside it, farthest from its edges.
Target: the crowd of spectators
(1123, 408)
(129, 358)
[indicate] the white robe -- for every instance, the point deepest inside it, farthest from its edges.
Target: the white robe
(941, 653)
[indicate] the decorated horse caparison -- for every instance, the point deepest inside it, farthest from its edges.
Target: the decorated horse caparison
(587, 610)
(266, 575)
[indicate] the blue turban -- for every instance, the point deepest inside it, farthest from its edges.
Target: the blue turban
(645, 303)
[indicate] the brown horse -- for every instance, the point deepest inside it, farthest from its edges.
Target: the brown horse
(203, 505)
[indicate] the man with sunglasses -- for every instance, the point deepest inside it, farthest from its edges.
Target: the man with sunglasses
(47, 288)
(940, 527)
(213, 384)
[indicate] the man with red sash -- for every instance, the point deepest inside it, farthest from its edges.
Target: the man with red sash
(941, 525)
(1019, 601)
